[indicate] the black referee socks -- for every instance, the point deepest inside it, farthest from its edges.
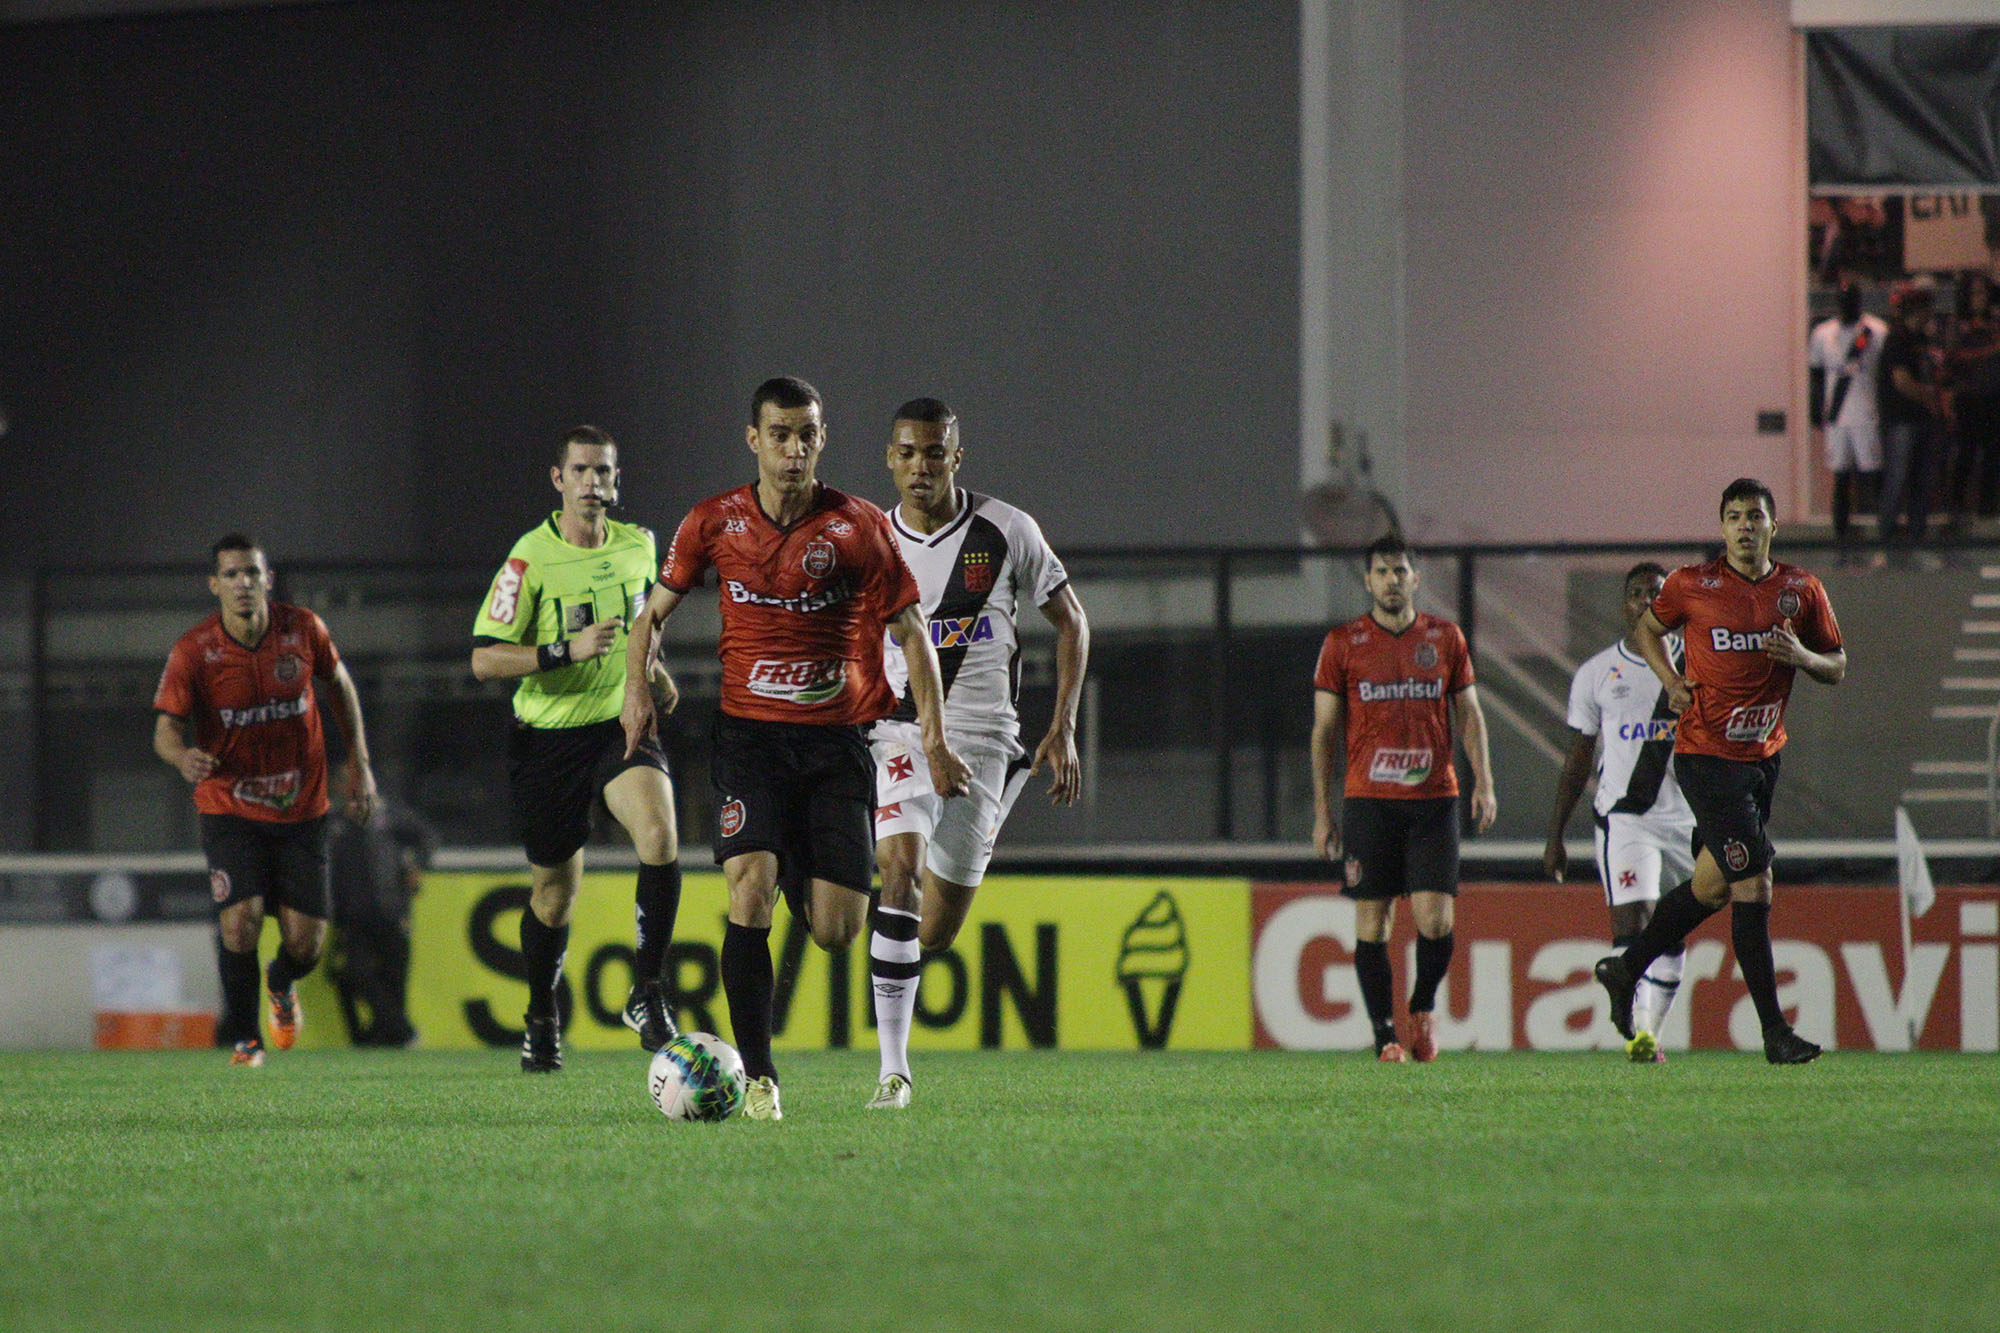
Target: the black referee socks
(542, 949)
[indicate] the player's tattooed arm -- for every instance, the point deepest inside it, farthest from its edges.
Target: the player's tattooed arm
(361, 793)
(1328, 736)
(641, 714)
(1569, 789)
(1782, 644)
(171, 744)
(949, 775)
(1058, 747)
(1470, 721)
(1652, 638)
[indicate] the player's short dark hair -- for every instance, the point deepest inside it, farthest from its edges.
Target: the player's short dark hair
(783, 392)
(586, 435)
(230, 541)
(1651, 569)
(1742, 489)
(932, 410)
(1389, 546)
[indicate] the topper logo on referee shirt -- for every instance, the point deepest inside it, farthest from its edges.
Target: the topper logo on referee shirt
(819, 558)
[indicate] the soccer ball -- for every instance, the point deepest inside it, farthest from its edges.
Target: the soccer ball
(697, 1076)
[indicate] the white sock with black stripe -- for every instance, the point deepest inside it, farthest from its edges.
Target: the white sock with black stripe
(1656, 991)
(895, 962)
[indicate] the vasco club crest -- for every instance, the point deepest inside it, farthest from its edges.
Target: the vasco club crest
(978, 571)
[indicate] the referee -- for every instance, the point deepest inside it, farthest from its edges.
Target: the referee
(555, 620)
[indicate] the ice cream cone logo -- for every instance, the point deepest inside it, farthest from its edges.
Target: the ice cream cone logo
(1152, 961)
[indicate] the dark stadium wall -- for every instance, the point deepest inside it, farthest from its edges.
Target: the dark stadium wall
(341, 273)
(1605, 264)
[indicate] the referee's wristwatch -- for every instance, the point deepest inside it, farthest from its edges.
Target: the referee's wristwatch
(552, 655)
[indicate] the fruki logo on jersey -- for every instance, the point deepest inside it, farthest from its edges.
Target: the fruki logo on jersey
(275, 791)
(961, 632)
(1405, 768)
(977, 570)
(798, 682)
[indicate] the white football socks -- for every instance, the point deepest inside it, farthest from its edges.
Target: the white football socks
(895, 963)
(1655, 993)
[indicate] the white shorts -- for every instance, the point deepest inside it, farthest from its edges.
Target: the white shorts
(961, 831)
(1640, 858)
(1855, 446)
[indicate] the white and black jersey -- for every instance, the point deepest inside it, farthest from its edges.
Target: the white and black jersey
(974, 575)
(1616, 697)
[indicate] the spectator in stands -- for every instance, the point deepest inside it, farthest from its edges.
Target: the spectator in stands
(1972, 375)
(1912, 410)
(1844, 355)
(378, 866)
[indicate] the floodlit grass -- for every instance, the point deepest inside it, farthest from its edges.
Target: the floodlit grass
(431, 1191)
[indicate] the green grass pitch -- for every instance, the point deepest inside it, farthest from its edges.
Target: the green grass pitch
(335, 1190)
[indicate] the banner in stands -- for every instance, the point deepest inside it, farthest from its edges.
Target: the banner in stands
(1521, 977)
(1083, 963)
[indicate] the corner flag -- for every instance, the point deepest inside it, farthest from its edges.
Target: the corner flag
(1913, 873)
(1915, 892)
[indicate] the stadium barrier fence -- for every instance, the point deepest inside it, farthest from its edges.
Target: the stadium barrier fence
(1137, 956)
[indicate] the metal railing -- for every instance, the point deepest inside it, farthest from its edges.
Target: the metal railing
(1194, 721)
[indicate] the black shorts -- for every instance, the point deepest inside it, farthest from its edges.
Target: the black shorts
(804, 792)
(1397, 846)
(284, 864)
(556, 775)
(1731, 800)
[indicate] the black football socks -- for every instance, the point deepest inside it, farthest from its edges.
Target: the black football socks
(542, 949)
(656, 902)
(1433, 961)
(285, 970)
(747, 982)
(1750, 932)
(1371, 969)
(1677, 917)
(239, 994)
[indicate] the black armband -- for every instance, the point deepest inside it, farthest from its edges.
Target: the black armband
(552, 655)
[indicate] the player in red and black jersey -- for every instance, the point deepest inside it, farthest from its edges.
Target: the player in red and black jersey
(810, 579)
(243, 680)
(1749, 624)
(1397, 682)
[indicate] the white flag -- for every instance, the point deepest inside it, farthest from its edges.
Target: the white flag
(1912, 872)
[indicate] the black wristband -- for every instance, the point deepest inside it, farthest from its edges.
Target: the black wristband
(552, 655)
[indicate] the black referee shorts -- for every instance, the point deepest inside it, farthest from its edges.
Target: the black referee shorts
(1731, 800)
(285, 864)
(804, 792)
(557, 775)
(1397, 846)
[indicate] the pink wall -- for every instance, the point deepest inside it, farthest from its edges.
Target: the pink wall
(1604, 237)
